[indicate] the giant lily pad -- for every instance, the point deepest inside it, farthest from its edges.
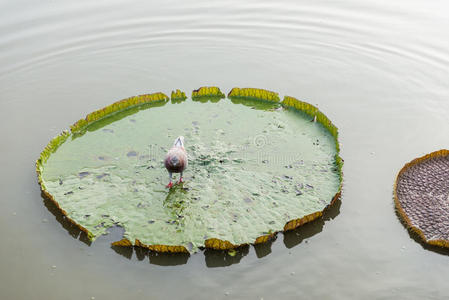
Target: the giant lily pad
(256, 167)
(421, 195)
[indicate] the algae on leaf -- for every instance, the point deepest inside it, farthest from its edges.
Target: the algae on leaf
(178, 96)
(207, 91)
(252, 172)
(251, 93)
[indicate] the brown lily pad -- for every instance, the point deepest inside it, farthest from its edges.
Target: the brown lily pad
(421, 196)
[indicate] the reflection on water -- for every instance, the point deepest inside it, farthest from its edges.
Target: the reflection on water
(71, 228)
(418, 239)
(297, 236)
(218, 258)
(160, 259)
(264, 249)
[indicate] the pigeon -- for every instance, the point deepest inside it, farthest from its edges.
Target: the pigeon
(176, 160)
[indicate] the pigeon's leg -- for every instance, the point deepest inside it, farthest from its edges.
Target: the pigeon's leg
(170, 184)
(180, 178)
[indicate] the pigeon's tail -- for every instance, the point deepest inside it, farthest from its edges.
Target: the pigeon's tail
(179, 142)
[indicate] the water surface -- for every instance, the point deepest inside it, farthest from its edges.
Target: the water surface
(378, 71)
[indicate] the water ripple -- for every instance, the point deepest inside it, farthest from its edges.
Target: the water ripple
(53, 33)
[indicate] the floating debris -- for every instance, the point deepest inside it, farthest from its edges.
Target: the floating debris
(248, 200)
(102, 175)
(83, 174)
(131, 153)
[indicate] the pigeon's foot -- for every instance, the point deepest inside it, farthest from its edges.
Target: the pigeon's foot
(180, 180)
(169, 185)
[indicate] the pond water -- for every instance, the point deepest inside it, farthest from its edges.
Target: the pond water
(377, 70)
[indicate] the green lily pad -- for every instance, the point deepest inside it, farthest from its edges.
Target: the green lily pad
(256, 167)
